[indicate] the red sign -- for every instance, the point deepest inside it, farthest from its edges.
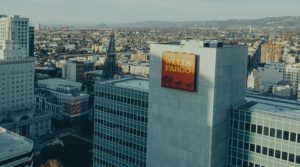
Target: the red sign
(178, 71)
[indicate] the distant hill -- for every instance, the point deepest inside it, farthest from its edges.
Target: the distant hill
(284, 22)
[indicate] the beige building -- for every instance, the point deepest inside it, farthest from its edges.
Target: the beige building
(271, 52)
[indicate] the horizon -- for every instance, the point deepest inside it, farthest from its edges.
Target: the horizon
(93, 12)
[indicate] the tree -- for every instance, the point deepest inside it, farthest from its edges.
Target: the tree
(52, 163)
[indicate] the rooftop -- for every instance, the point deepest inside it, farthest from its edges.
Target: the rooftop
(12, 144)
(273, 107)
(138, 83)
(54, 83)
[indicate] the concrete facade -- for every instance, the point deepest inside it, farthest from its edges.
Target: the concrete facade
(187, 129)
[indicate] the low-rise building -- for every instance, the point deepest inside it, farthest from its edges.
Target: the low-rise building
(15, 150)
(63, 98)
(280, 90)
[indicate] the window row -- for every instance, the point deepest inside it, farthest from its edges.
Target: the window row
(121, 113)
(266, 151)
(123, 99)
(121, 142)
(121, 128)
(104, 163)
(120, 155)
(263, 130)
(241, 163)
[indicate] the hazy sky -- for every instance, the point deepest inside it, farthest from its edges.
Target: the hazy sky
(115, 11)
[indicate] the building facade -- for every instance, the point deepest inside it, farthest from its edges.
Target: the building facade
(16, 29)
(15, 150)
(271, 52)
(120, 130)
(264, 135)
(190, 128)
(63, 98)
(17, 111)
(74, 70)
(273, 73)
(31, 41)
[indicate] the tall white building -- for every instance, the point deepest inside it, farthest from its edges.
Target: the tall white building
(190, 128)
(15, 29)
(253, 81)
(17, 111)
(16, 68)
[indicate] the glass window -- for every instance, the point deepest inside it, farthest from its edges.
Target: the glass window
(272, 132)
(258, 149)
(241, 126)
(241, 144)
(259, 129)
(247, 127)
(298, 159)
(246, 146)
(298, 138)
(253, 128)
(277, 154)
(286, 135)
(271, 152)
(266, 131)
(279, 134)
(265, 150)
(284, 155)
(252, 147)
(291, 157)
(293, 136)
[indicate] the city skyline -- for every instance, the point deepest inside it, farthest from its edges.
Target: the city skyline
(95, 12)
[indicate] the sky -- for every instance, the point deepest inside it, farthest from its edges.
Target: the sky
(93, 12)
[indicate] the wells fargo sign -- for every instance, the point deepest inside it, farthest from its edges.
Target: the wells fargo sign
(178, 71)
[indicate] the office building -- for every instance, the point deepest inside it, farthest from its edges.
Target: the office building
(15, 29)
(17, 111)
(15, 150)
(31, 41)
(271, 52)
(273, 73)
(121, 108)
(253, 81)
(63, 98)
(37, 26)
(74, 70)
(193, 87)
(265, 133)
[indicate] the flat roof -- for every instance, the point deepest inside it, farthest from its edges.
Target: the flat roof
(138, 83)
(273, 107)
(12, 144)
(53, 83)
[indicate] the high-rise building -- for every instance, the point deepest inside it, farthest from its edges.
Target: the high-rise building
(15, 29)
(253, 81)
(31, 41)
(73, 71)
(15, 150)
(37, 26)
(193, 87)
(271, 52)
(17, 111)
(265, 133)
(120, 130)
